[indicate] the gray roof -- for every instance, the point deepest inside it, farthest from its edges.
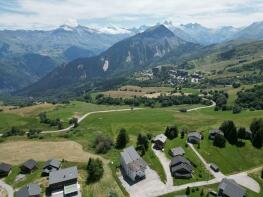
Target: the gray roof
(30, 190)
(231, 188)
(53, 163)
(4, 167)
(185, 166)
(195, 134)
(63, 175)
(178, 160)
(177, 151)
(160, 137)
(30, 164)
(216, 131)
(132, 158)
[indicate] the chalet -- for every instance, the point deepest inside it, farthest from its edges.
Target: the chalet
(28, 166)
(229, 188)
(181, 167)
(194, 137)
(5, 169)
(132, 164)
(64, 182)
(177, 151)
(50, 165)
(31, 190)
(214, 132)
(159, 141)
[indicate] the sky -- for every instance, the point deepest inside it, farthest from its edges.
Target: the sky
(48, 14)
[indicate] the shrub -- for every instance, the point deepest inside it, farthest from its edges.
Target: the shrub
(219, 141)
(95, 170)
(171, 132)
(102, 144)
(187, 191)
(237, 109)
(122, 139)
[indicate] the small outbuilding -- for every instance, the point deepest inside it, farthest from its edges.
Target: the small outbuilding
(194, 137)
(214, 167)
(214, 132)
(177, 151)
(5, 169)
(31, 190)
(29, 166)
(159, 141)
(50, 166)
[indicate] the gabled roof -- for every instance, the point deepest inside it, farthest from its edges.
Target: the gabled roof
(30, 164)
(177, 151)
(195, 134)
(30, 190)
(63, 175)
(216, 131)
(132, 158)
(178, 160)
(53, 163)
(231, 188)
(160, 137)
(4, 167)
(184, 166)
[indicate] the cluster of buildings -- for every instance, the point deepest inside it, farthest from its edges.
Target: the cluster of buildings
(61, 182)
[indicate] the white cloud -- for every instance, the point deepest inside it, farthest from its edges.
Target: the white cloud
(51, 13)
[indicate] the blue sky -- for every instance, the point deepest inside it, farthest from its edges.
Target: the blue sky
(47, 14)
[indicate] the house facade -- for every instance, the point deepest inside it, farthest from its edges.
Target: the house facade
(132, 164)
(159, 141)
(194, 137)
(31, 190)
(229, 188)
(181, 167)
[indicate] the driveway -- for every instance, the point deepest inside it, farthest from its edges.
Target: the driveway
(8, 188)
(165, 163)
(148, 187)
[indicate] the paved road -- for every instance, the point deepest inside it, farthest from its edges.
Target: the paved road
(86, 115)
(8, 188)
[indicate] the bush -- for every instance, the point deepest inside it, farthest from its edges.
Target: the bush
(230, 131)
(237, 109)
(14, 132)
(171, 132)
(219, 141)
(95, 170)
(102, 144)
(33, 133)
(262, 174)
(122, 139)
(187, 191)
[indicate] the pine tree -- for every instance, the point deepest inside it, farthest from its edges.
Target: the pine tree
(122, 139)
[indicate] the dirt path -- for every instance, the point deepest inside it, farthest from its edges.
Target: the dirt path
(86, 115)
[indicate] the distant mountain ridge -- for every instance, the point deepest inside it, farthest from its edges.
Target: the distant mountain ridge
(129, 55)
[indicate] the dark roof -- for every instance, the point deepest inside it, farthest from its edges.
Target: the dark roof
(178, 160)
(184, 166)
(30, 164)
(30, 190)
(216, 131)
(177, 151)
(63, 175)
(231, 188)
(53, 163)
(4, 167)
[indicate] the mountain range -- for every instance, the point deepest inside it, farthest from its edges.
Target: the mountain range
(133, 51)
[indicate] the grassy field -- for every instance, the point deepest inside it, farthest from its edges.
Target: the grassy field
(195, 192)
(27, 117)
(257, 177)
(232, 159)
(199, 173)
